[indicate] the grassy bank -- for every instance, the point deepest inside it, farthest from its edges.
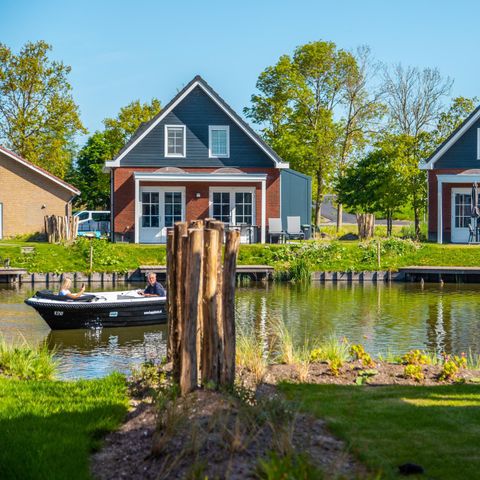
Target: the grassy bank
(435, 427)
(309, 256)
(48, 429)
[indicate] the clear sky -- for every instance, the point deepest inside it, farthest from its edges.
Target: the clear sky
(120, 51)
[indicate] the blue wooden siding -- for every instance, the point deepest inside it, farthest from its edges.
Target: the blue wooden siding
(463, 153)
(296, 196)
(197, 111)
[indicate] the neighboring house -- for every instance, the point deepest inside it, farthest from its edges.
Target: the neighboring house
(198, 159)
(452, 169)
(27, 194)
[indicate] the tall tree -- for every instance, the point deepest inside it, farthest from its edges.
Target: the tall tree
(296, 106)
(88, 175)
(38, 116)
(415, 103)
(362, 111)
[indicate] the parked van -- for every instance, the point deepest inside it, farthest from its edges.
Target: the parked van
(93, 223)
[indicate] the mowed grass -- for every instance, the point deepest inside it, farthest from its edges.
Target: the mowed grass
(48, 429)
(343, 256)
(435, 427)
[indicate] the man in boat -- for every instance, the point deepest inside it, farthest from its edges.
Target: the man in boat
(153, 288)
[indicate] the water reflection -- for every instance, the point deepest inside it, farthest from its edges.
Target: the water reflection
(395, 318)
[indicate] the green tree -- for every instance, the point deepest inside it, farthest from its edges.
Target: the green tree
(38, 116)
(88, 175)
(374, 184)
(296, 106)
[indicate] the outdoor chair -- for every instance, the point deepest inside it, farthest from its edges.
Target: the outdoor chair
(294, 229)
(471, 233)
(275, 229)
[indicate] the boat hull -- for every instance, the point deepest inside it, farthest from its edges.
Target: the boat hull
(68, 316)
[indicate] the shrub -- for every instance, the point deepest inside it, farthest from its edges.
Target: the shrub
(451, 366)
(416, 357)
(358, 353)
(335, 365)
(413, 371)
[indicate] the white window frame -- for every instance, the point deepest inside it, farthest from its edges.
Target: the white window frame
(175, 155)
(225, 128)
(232, 191)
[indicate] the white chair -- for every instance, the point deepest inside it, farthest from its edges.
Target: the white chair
(294, 230)
(275, 229)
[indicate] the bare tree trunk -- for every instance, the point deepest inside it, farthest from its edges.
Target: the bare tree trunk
(366, 225)
(339, 216)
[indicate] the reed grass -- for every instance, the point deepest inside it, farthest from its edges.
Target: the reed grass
(26, 362)
(283, 342)
(250, 353)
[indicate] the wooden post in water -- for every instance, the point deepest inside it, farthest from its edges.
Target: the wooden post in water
(201, 296)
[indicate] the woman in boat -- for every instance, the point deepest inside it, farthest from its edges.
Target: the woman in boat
(65, 289)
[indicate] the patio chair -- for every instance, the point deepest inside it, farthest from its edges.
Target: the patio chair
(275, 229)
(294, 229)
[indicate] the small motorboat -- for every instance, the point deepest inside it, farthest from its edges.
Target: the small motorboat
(102, 309)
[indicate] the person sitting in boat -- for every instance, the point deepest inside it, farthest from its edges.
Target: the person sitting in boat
(65, 289)
(153, 288)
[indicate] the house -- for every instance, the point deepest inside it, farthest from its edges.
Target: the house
(452, 169)
(27, 194)
(198, 159)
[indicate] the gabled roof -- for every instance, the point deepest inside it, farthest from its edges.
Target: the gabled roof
(197, 81)
(39, 170)
(454, 136)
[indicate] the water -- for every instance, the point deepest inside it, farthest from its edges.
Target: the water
(384, 318)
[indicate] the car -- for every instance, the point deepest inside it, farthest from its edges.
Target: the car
(93, 223)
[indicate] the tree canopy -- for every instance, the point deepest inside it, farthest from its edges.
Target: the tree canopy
(38, 116)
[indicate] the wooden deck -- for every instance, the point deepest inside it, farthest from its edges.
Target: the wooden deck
(11, 275)
(257, 272)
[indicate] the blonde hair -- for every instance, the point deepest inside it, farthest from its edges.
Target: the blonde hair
(66, 284)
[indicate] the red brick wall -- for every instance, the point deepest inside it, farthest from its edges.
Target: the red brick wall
(124, 195)
(446, 201)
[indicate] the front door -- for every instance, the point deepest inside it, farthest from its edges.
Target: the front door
(461, 219)
(160, 207)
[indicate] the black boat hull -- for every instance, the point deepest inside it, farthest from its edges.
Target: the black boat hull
(93, 315)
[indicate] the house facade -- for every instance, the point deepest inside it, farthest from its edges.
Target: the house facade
(198, 159)
(27, 194)
(452, 170)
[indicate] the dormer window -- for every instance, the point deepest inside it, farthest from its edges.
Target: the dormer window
(219, 141)
(175, 141)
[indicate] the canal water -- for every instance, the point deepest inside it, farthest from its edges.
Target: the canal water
(385, 318)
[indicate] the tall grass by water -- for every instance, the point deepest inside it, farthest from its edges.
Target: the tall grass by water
(26, 362)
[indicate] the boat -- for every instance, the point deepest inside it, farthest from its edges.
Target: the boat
(102, 309)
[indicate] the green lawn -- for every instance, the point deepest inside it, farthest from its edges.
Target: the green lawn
(48, 429)
(321, 256)
(435, 427)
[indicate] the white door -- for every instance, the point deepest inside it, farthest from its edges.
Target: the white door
(461, 198)
(160, 208)
(1, 221)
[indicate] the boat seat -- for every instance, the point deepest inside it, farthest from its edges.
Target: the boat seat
(49, 295)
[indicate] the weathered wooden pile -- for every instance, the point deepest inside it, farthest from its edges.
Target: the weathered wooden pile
(201, 303)
(60, 228)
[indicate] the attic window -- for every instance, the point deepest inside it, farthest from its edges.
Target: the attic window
(219, 141)
(175, 141)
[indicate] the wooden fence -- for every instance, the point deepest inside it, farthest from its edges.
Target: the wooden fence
(59, 228)
(201, 303)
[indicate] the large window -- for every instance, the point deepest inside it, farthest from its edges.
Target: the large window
(462, 210)
(219, 141)
(233, 205)
(173, 208)
(150, 209)
(221, 206)
(175, 141)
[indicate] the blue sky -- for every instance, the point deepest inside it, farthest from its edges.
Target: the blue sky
(120, 51)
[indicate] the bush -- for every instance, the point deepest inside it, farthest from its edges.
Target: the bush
(358, 353)
(416, 357)
(451, 366)
(413, 371)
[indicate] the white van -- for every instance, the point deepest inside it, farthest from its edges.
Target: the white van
(93, 223)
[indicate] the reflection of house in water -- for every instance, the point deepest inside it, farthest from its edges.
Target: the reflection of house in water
(452, 322)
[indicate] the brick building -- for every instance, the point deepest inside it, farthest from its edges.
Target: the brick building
(27, 194)
(452, 170)
(197, 159)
